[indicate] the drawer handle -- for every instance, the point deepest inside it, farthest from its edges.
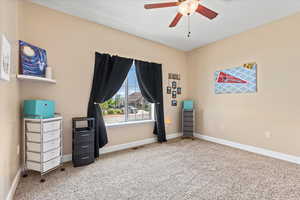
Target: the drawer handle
(84, 158)
(84, 147)
(85, 135)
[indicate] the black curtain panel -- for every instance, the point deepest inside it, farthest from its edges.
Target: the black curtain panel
(149, 77)
(109, 75)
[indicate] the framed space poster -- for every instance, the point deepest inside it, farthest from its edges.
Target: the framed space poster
(5, 59)
(241, 79)
(33, 60)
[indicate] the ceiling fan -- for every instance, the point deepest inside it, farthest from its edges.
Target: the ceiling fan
(185, 8)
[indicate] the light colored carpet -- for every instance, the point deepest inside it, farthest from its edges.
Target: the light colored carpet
(178, 170)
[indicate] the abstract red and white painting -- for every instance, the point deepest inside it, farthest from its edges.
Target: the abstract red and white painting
(241, 79)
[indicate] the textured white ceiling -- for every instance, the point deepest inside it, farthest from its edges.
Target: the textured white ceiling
(235, 16)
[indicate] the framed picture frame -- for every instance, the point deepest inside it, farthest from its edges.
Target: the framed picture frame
(174, 76)
(236, 80)
(174, 94)
(33, 60)
(169, 90)
(5, 59)
(174, 103)
(174, 84)
(179, 90)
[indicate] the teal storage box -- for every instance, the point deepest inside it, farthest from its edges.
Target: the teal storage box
(38, 109)
(188, 105)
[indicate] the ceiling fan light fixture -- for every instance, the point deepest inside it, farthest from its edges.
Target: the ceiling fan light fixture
(188, 7)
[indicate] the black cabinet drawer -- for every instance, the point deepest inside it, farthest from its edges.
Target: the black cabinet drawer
(84, 147)
(83, 136)
(188, 134)
(187, 129)
(83, 141)
(188, 114)
(83, 159)
(188, 119)
(188, 124)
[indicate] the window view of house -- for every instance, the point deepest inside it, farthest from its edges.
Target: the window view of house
(128, 104)
(113, 110)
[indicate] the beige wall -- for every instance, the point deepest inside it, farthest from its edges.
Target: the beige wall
(9, 103)
(70, 43)
(275, 108)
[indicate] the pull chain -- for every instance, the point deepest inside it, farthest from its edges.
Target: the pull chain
(189, 26)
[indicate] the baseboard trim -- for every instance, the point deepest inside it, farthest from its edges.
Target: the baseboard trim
(14, 185)
(253, 149)
(119, 147)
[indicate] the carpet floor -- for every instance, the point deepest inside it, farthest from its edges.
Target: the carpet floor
(177, 170)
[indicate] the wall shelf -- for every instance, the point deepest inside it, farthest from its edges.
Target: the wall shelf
(35, 78)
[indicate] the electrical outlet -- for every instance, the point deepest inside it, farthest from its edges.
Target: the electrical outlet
(18, 149)
(268, 134)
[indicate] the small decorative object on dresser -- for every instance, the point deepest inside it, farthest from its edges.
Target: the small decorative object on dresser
(49, 72)
(37, 109)
(83, 141)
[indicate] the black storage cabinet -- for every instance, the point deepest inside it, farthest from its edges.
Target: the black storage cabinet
(83, 141)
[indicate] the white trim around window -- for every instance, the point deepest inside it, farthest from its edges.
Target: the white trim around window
(129, 123)
(149, 118)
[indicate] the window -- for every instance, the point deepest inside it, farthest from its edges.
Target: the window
(127, 104)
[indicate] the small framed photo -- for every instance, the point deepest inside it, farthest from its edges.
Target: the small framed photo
(179, 90)
(174, 94)
(5, 58)
(174, 84)
(169, 90)
(176, 76)
(174, 102)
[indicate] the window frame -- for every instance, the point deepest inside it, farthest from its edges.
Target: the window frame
(131, 122)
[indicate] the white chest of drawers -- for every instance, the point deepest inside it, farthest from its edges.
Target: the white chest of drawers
(43, 144)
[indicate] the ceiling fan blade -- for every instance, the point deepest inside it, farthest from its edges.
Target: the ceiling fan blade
(175, 20)
(161, 5)
(206, 12)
